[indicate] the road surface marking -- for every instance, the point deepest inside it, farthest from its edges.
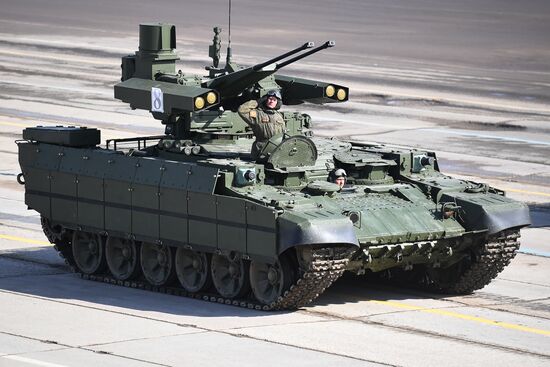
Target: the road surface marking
(35, 362)
(61, 56)
(22, 239)
(13, 124)
(457, 315)
(530, 251)
(486, 136)
(529, 192)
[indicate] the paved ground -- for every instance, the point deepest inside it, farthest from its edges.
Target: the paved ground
(49, 315)
(469, 80)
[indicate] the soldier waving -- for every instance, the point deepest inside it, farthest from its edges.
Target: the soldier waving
(264, 118)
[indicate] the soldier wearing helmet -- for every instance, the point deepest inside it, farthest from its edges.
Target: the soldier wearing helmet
(264, 118)
(339, 177)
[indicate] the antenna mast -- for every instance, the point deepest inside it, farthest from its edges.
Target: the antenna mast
(228, 58)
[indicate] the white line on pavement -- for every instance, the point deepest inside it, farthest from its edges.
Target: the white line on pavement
(35, 362)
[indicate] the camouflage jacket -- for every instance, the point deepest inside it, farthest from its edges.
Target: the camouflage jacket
(265, 123)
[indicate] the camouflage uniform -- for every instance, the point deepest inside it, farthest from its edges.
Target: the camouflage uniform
(265, 123)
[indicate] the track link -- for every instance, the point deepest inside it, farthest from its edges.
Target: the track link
(491, 258)
(327, 265)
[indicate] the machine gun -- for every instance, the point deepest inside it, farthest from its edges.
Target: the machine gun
(149, 80)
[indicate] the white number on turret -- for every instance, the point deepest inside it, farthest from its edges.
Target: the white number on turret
(157, 100)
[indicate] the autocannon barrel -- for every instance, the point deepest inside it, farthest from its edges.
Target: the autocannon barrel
(305, 54)
(286, 54)
(232, 84)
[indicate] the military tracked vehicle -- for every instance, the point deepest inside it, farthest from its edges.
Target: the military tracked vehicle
(191, 212)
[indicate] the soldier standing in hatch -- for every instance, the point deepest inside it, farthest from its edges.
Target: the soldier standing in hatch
(264, 118)
(339, 177)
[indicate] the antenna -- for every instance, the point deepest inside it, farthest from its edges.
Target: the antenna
(228, 58)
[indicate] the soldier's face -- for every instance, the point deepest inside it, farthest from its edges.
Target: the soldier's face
(271, 102)
(340, 181)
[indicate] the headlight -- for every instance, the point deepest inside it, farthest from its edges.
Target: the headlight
(199, 103)
(341, 95)
(329, 91)
(211, 97)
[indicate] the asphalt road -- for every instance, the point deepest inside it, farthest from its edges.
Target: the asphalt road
(470, 81)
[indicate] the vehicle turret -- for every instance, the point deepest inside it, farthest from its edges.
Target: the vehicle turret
(192, 105)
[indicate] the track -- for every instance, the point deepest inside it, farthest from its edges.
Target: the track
(484, 265)
(327, 264)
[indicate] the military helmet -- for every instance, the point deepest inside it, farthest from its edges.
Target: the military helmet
(340, 172)
(274, 93)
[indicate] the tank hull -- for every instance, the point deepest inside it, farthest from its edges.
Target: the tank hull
(95, 202)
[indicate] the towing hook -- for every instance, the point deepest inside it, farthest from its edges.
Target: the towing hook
(21, 179)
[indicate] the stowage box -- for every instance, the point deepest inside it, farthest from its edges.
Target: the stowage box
(71, 136)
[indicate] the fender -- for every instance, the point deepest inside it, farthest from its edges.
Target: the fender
(492, 212)
(295, 230)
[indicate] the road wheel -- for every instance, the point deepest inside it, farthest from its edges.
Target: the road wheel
(230, 275)
(87, 251)
(157, 263)
(122, 258)
(270, 281)
(193, 270)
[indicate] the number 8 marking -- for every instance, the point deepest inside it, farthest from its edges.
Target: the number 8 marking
(157, 103)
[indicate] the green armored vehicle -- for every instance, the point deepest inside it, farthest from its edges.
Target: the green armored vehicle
(192, 212)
